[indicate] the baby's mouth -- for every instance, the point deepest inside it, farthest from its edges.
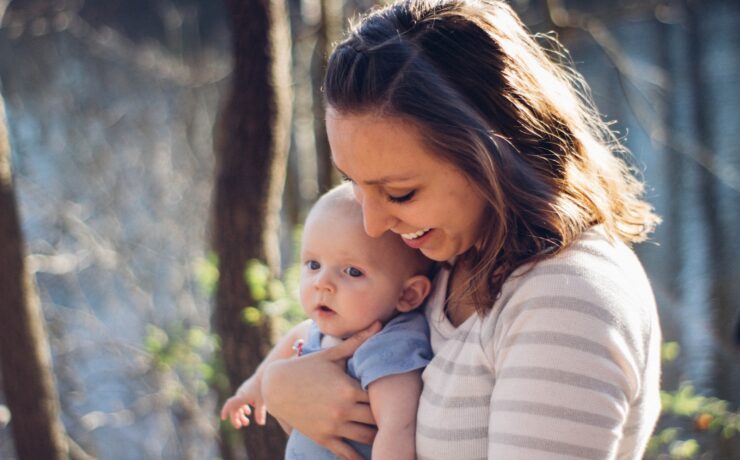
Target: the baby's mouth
(325, 309)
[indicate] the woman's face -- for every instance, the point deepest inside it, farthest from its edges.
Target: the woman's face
(403, 187)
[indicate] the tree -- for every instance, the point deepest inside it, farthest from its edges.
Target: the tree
(251, 148)
(328, 31)
(24, 351)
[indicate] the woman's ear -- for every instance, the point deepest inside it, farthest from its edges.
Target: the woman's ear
(415, 290)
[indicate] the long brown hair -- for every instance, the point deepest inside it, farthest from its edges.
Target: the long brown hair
(509, 112)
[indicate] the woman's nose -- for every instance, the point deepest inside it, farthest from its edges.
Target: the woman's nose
(375, 218)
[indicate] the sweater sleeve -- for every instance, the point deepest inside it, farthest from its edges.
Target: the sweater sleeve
(568, 351)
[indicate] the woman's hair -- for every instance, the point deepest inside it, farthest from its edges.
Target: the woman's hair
(509, 114)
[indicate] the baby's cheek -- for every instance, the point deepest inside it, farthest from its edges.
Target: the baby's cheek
(304, 291)
(354, 291)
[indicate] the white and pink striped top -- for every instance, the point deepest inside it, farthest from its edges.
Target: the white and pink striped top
(566, 365)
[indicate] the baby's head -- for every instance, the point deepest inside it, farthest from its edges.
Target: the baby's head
(350, 280)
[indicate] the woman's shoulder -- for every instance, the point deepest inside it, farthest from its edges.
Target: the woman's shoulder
(590, 303)
(592, 266)
(594, 287)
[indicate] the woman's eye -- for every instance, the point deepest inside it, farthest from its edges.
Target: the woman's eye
(353, 272)
(402, 198)
(313, 265)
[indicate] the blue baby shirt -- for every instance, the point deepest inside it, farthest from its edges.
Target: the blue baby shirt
(401, 346)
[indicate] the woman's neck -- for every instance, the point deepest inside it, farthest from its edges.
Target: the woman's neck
(459, 304)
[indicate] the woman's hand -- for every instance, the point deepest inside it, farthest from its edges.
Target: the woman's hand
(314, 395)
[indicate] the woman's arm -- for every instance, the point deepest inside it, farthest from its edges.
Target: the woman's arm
(314, 395)
(394, 400)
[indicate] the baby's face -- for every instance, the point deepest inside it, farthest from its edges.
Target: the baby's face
(349, 280)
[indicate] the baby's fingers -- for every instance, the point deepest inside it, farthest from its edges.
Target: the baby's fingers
(226, 409)
(239, 417)
(232, 404)
(243, 413)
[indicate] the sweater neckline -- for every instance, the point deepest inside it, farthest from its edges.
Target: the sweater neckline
(436, 313)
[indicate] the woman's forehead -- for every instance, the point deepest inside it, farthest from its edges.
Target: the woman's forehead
(376, 149)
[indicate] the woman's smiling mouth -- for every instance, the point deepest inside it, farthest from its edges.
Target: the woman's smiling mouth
(415, 235)
(417, 239)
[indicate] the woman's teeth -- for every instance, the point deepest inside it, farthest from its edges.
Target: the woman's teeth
(413, 236)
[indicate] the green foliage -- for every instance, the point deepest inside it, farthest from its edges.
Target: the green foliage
(670, 351)
(705, 415)
(189, 354)
(257, 276)
(184, 352)
(206, 273)
(252, 316)
(276, 299)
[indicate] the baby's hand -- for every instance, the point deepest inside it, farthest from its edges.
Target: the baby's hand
(237, 408)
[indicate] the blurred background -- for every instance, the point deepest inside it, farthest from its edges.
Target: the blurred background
(160, 148)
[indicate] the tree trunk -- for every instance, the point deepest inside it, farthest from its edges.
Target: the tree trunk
(24, 351)
(251, 147)
(720, 303)
(327, 32)
(674, 172)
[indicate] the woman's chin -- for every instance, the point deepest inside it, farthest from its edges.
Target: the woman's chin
(443, 253)
(436, 254)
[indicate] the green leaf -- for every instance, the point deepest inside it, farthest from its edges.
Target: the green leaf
(206, 273)
(670, 351)
(156, 339)
(251, 316)
(197, 338)
(257, 277)
(684, 449)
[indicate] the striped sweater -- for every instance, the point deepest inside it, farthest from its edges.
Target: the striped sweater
(566, 365)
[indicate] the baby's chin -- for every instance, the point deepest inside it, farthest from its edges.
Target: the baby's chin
(338, 333)
(333, 337)
(326, 318)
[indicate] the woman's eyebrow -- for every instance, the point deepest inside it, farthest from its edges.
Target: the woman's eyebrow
(386, 179)
(381, 181)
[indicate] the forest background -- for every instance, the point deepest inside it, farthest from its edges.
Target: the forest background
(164, 154)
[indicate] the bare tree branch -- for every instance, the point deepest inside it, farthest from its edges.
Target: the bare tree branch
(106, 43)
(631, 71)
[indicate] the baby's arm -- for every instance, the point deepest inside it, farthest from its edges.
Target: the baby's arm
(394, 400)
(237, 408)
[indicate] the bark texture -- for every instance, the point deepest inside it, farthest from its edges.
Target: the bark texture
(252, 140)
(327, 33)
(24, 350)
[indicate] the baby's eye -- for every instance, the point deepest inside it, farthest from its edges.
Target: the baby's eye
(353, 272)
(313, 265)
(346, 178)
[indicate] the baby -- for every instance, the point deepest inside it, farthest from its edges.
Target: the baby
(348, 281)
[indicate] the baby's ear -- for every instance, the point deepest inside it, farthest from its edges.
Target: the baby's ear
(415, 290)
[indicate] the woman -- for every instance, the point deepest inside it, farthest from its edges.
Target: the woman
(461, 135)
